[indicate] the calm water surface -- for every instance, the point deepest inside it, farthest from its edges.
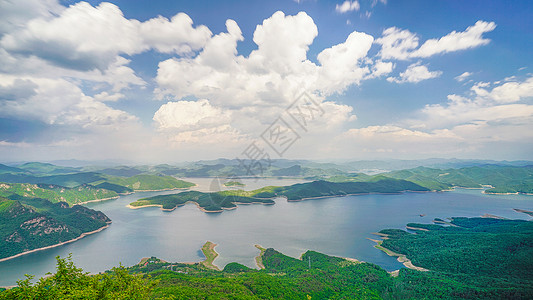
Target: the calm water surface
(336, 226)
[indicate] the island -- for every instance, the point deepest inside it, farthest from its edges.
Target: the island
(223, 200)
(207, 202)
(234, 184)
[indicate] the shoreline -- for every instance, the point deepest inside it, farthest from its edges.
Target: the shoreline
(97, 200)
(259, 257)
(162, 190)
(56, 245)
(198, 206)
(355, 194)
(402, 258)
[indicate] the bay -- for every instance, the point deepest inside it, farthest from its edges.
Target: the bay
(336, 226)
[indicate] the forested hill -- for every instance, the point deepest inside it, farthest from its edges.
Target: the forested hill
(503, 179)
(323, 188)
(29, 224)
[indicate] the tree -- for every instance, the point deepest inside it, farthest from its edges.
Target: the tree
(70, 282)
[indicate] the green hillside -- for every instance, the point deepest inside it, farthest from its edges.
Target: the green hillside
(504, 179)
(46, 168)
(148, 182)
(113, 183)
(8, 169)
(54, 193)
(29, 224)
(66, 180)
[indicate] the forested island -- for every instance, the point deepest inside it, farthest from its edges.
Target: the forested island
(476, 258)
(218, 201)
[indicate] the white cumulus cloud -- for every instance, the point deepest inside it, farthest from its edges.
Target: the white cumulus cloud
(403, 44)
(347, 6)
(415, 73)
(190, 116)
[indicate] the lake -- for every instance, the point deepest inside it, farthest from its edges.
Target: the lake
(336, 226)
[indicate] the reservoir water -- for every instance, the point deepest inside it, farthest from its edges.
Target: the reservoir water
(336, 226)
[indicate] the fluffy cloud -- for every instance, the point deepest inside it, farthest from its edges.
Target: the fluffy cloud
(415, 73)
(488, 114)
(176, 35)
(341, 63)
(84, 37)
(402, 44)
(274, 73)
(256, 89)
(396, 43)
(454, 41)
(347, 6)
(15, 14)
(190, 116)
(56, 102)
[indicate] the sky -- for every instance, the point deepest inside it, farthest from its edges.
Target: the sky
(169, 81)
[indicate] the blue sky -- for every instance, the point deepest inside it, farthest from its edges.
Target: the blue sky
(168, 81)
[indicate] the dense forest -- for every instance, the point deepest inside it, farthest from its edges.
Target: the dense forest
(493, 255)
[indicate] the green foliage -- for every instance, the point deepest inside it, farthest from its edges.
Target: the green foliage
(70, 282)
(236, 268)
